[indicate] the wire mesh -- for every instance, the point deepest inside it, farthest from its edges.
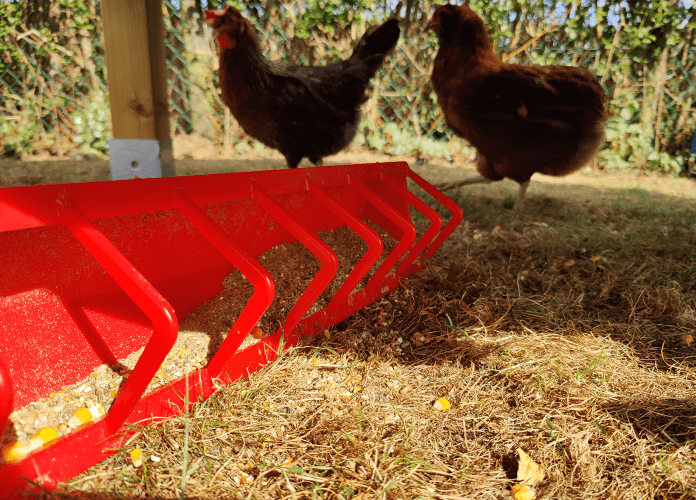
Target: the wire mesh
(53, 83)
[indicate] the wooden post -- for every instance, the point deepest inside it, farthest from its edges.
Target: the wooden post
(137, 80)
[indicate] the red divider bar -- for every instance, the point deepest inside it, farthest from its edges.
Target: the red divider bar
(430, 214)
(329, 262)
(374, 242)
(264, 289)
(407, 239)
(145, 296)
(455, 210)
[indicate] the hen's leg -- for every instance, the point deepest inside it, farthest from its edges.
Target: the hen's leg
(520, 197)
(293, 160)
(485, 168)
(465, 182)
(317, 160)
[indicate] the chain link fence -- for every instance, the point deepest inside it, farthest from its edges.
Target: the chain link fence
(53, 91)
(399, 94)
(51, 78)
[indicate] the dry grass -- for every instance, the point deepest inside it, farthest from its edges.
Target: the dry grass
(559, 334)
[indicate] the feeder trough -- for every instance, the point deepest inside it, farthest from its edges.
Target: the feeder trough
(95, 271)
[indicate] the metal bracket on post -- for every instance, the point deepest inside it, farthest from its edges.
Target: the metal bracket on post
(142, 158)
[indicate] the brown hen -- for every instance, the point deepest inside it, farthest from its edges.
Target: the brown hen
(302, 111)
(521, 119)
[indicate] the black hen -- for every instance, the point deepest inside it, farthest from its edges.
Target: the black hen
(302, 111)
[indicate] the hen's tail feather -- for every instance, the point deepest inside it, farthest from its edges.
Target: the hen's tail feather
(376, 43)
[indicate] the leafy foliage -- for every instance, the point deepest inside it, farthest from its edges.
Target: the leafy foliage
(17, 136)
(93, 125)
(400, 140)
(329, 15)
(51, 67)
(10, 20)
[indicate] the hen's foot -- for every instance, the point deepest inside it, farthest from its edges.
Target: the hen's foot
(465, 182)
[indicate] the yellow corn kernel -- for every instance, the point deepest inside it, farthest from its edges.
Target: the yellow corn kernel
(442, 404)
(13, 452)
(265, 405)
(357, 388)
(79, 418)
(136, 457)
(114, 393)
(46, 435)
(97, 411)
(522, 492)
(62, 427)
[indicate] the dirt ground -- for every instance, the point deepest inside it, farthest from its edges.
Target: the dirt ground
(581, 185)
(566, 332)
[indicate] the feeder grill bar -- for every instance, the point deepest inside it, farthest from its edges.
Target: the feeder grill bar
(93, 272)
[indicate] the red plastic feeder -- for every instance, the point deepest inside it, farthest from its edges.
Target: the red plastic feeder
(93, 272)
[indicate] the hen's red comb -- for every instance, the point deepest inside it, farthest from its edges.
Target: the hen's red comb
(210, 15)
